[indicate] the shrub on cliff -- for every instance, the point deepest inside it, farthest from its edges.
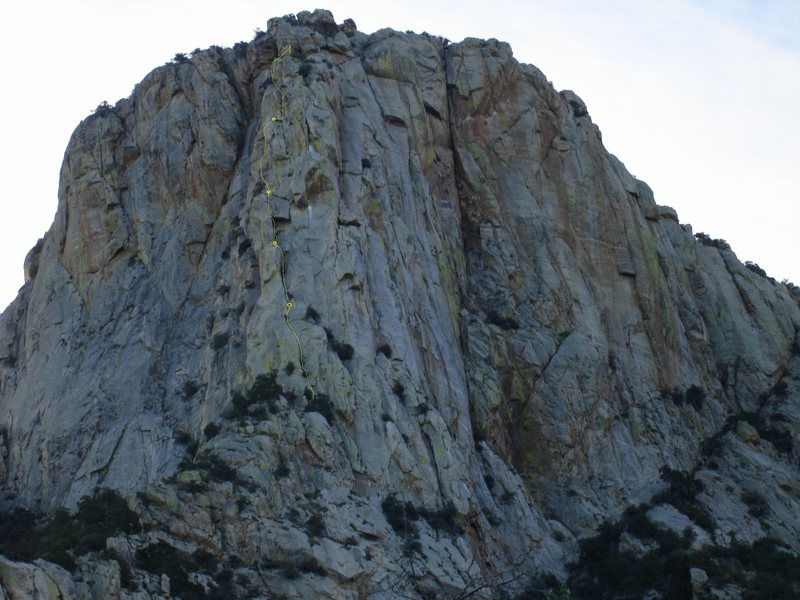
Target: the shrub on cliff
(65, 536)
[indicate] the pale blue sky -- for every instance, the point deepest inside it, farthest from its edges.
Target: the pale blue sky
(697, 97)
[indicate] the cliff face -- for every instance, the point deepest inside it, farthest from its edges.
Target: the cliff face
(499, 324)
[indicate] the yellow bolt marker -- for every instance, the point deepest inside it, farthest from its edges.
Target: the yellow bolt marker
(287, 302)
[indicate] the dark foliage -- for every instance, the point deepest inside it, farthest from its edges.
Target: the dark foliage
(187, 440)
(305, 69)
(756, 505)
(312, 315)
(780, 389)
(292, 568)
(315, 525)
(604, 572)
(215, 467)
(239, 405)
(714, 243)
(505, 323)
(542, 587)
(290, 368)
(219, 340)
(161, 558)
(244, 246)
(125, 572)
(211, 430)
(758, 270)
(240, 49)
(61, 539)
(683, 488)
(693, 395)
(180, 57)
(321, 403)
(478, 435)
(386, 350)
(103, 109)
(343, 351)
(402, 516)
(782, 440)
(189, 389)
(681, 484)
(762, 570)
(265, 391)
(399, 391)
(675, 394)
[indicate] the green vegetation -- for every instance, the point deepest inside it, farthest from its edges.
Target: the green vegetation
(758, 271)
(505, 323)
(103, 109)
(305, 69)
(399, 391)
(682, 491)
(292, 568)
(216, 469)
(162, 558)
(26, 536)
(219, 341)
(211, 430)
(693, 395)
(315, 525)
(189, 389)
(756, 505)
(714, 243)
(320, 403)
(780, 439)
(402, 516)
(343, 351)
(262, 397)
(763, 570)
(312, 315)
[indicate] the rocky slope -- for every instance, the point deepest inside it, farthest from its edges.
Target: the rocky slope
(506, 339)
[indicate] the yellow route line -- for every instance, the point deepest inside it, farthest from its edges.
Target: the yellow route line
(288, 304)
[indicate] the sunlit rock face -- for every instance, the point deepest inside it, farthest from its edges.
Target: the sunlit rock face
(500, 328)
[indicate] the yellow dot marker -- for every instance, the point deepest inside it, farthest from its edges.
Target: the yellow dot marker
(283, 53)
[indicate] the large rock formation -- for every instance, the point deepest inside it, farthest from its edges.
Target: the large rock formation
(505, 337)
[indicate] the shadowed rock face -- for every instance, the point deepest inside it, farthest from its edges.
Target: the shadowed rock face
(516, 303)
